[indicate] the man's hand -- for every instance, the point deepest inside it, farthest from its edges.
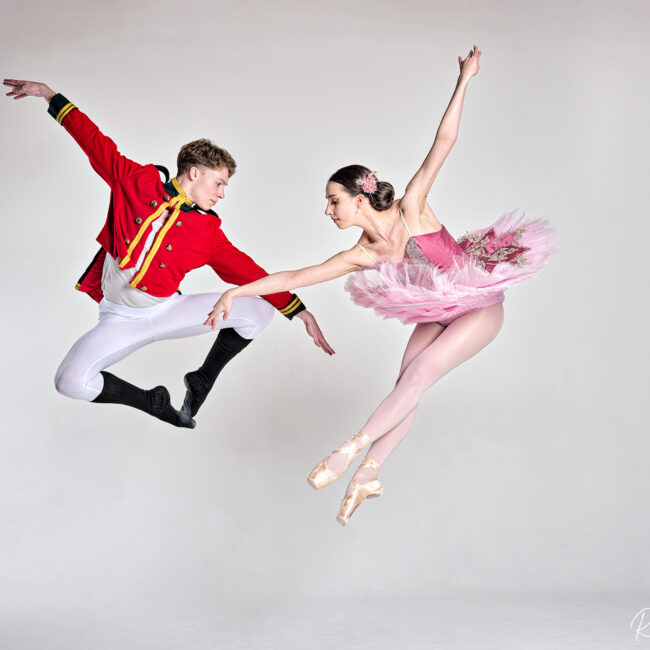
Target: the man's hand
(20, 89)
(314, 331)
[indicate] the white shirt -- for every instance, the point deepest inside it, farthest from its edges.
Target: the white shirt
(115, 281)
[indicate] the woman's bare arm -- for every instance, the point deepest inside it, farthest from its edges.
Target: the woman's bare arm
(420, 184)
(334, 267)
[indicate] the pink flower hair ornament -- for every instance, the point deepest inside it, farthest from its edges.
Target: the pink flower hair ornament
(369, 184)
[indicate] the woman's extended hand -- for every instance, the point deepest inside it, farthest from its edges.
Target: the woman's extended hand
(222, 306)
(470, 64)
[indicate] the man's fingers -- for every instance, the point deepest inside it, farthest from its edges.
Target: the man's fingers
(327, 347)
(322, 343)
(319, 340)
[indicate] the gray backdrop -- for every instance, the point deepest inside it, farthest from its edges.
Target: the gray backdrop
(526, 467)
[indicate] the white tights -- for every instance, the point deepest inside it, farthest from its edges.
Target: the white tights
(122, 330)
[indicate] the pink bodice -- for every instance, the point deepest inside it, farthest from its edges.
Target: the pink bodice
(438, 248)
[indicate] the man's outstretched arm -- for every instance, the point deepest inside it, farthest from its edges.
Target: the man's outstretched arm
(102, 152)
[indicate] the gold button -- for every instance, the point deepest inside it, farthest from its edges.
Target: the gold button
(166, 197)
(143, 288)
(168, 247)
(153, 204)
(127, 240)
(179, 223)
(162, 265)
(138, 220)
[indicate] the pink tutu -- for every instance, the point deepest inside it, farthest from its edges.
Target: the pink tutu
(475, 271)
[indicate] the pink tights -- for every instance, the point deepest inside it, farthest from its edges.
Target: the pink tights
(432, 351)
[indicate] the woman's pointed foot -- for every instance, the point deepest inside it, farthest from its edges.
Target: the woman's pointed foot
(324, 474)
(360, 490)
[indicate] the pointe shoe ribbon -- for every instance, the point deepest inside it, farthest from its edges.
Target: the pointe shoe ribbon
(322, 475)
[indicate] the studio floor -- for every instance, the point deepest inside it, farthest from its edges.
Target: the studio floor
(476, 622)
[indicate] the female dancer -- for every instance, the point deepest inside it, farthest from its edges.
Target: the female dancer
(453, 291)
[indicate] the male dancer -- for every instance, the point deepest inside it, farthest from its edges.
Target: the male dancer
(154, 234)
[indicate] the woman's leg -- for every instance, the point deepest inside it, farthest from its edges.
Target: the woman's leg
(422, 337)
(459, 341)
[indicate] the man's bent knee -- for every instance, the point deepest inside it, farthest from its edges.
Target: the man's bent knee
(71, 383)
(260, 314)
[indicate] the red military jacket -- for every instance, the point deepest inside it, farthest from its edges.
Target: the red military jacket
(189, 239)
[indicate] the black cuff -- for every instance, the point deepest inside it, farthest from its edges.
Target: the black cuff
(294, 307)
(60, 107)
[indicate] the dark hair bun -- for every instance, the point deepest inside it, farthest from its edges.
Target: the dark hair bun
(352, 178)
(383, 197)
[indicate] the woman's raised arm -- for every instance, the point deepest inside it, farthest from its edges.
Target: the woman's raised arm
(334, 267)
(420, 184)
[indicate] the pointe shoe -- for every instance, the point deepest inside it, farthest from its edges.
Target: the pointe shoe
(360, 492)
(322, 475)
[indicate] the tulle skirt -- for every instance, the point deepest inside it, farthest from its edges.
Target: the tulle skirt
(423, 293)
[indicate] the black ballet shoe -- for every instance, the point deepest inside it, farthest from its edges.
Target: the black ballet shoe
(156, 401)
(199, 383)
(163, 410)
(195, 394)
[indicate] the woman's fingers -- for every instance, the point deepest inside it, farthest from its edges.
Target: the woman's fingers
(470, 64)
(213, 316)
(212, 319)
